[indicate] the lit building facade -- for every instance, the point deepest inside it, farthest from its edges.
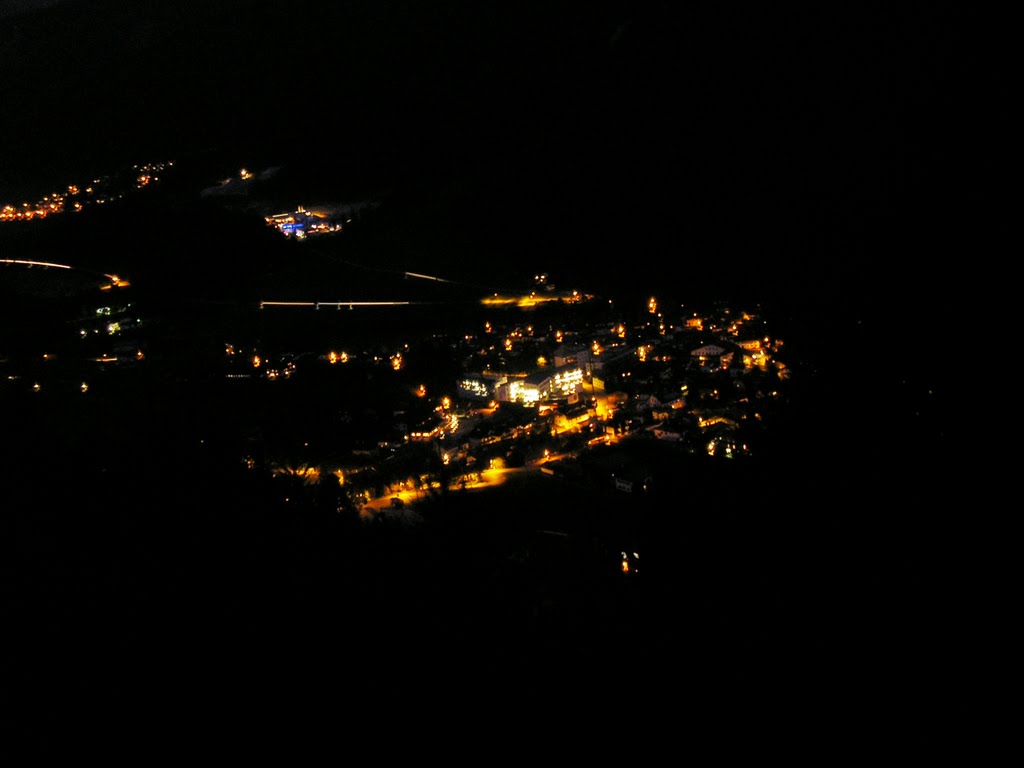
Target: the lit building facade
(541, 386)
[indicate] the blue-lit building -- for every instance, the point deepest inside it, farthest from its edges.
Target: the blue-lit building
(301, 223)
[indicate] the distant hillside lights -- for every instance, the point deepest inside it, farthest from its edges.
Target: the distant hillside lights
(102, 190)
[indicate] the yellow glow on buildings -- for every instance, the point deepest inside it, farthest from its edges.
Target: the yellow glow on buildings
(605, 408)
(306, 473)
(713, 420)
(523, 302)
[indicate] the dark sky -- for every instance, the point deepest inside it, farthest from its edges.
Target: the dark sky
(799, 136)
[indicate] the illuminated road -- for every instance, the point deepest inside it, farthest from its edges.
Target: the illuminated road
(114, 279)
(36, 263)
(340, 304)
(490, 478)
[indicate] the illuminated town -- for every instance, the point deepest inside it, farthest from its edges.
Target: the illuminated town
(441, 371)
(558, 383)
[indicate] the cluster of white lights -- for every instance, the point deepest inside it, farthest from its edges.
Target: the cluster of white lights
(475, 387)
(566, 381)
(523, 393)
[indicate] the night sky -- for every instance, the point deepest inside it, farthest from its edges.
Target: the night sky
(826, 142)
(829, 161)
